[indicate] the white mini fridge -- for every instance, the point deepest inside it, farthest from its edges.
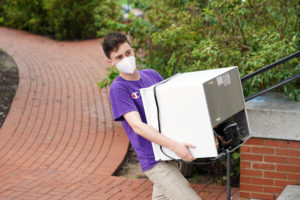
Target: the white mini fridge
(205, 108)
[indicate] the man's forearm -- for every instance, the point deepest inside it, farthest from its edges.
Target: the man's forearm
(153, 135)
(148, 132)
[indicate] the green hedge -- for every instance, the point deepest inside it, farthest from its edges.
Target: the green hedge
(67, 19)
(181, 36)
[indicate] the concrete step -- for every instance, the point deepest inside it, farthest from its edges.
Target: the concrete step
(291, 192)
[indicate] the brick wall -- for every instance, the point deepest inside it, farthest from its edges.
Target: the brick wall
(267, 166)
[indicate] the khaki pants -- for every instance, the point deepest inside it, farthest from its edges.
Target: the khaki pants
(169, 183)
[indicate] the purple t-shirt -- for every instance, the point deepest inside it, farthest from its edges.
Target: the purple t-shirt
(125, 97)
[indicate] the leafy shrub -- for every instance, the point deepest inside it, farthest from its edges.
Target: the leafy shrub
(23, 14)
(68, 19)
(180, 36)
(108, 16)
(111, 75)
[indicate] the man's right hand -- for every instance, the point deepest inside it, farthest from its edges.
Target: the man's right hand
(182, 150)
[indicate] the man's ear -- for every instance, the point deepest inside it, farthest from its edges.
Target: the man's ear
(109, 61)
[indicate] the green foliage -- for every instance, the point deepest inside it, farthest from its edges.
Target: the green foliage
(181, 36)
(111, 75)
(108, 17)
(22, 14)
(68, 19)
(234, 168)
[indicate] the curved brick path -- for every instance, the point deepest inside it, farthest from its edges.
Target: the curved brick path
(58, 140)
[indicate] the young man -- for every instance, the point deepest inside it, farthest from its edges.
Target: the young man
(128, 108)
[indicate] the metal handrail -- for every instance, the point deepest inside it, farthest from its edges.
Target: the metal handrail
(283, 60)
(273, 87)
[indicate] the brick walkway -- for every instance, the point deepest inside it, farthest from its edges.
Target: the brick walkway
(59, 140)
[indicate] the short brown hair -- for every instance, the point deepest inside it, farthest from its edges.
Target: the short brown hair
(112, 42)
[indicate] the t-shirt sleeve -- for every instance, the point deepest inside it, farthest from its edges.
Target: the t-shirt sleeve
(121, 102)
(157, 76)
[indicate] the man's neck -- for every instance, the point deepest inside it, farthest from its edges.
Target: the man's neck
(131, 77)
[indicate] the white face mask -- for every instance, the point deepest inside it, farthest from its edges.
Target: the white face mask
(127, 65)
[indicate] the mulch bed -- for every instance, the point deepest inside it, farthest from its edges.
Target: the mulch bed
(9, 80)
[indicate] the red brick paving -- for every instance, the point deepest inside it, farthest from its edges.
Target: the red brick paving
(59, 140)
